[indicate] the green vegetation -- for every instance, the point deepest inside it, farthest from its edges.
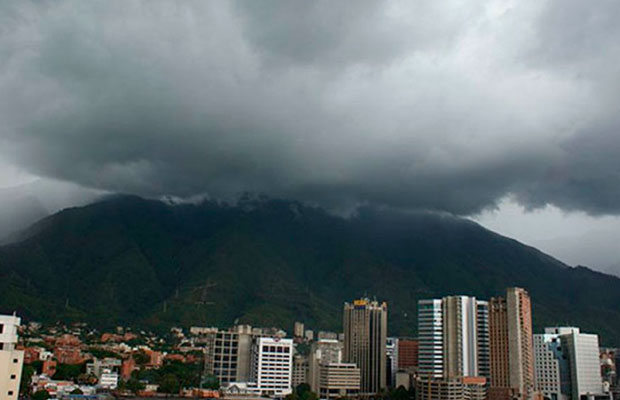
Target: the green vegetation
(101, 353)
(143, 263)
(41, 395)
(302, 392)
(69, 372)
(171, 376)
(27, 372)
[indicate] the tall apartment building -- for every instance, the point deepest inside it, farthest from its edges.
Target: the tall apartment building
(323, 352)
(11, 360)
(365, 335)
(453, 334)
(228, 353)
(272, 366)
(511, 346)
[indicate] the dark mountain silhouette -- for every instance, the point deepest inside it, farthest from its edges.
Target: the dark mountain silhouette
(272, 262)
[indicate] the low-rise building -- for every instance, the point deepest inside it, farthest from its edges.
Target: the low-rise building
(465, 388)
(339, 380)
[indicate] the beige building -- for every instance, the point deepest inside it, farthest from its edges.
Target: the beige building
(365, 337)
(339, 380)
(511, 346)
(11, 360)
(228, 353)
(463, 388)
(322, 352)
(300, 370)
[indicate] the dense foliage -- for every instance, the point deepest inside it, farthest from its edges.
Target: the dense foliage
(265, 262)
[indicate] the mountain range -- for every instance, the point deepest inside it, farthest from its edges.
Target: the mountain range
(268, 262)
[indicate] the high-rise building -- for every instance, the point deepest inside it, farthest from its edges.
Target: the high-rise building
(453, 337)
(511, 346)
(408, 354)
(430, 332)
(567, 364)
(584, 365)
(11, 360)
(551, 366)
(323, 352)
(465, 336)
(365, 335)
(272, 366)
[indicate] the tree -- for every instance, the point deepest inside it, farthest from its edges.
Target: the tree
(27, 372)
(134, 385)
(210, 382)
(77, 391)
(69, 371)
(41, 395)
(169, 384)
(141, 357)
(302, 392)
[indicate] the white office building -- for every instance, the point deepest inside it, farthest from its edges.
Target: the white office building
(551, 371)
(584, 364)
(108, 379)
(272, 366)
(567, 364)
(11, 360)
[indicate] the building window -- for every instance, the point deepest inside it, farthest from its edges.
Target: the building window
(15, 361)
(13, 376)
(10, 393)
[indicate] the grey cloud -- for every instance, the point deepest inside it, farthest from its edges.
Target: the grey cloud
(404, 104)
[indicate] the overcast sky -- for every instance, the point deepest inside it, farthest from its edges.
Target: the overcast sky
(506, 111)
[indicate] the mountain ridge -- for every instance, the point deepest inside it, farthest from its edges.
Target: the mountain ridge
(272, 262)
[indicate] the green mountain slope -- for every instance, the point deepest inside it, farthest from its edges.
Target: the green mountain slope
(268, 262)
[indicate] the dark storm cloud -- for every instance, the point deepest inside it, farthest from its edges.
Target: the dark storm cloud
(439, 105)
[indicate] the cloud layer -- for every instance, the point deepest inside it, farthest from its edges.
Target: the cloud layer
(437, 105)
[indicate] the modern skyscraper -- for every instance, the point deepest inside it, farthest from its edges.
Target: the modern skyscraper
(511, 342)
(11, 360)
(453, 337)
(465, 336)
(430, 333)
(365, 335)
